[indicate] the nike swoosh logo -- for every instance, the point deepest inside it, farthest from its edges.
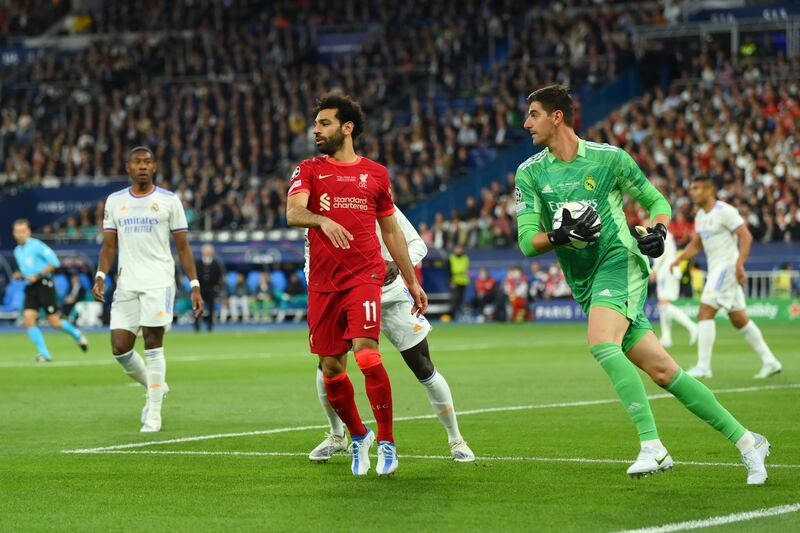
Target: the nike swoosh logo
(323, 176)
(659, 462)
(370, 327)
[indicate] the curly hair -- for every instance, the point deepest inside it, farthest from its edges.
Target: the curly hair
(347, 110)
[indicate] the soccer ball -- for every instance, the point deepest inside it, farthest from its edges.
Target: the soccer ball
(576, 209)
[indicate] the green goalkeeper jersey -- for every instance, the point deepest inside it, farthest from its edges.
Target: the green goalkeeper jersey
(600, 174)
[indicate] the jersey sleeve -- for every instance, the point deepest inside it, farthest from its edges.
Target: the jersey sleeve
(301, 180)
(731, 219)
(48, 255)
(529, 211)
(384, 200)
(108, 216)
(416, 246)
(177, 218)
(632, 181)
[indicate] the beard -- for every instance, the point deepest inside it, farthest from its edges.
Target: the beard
(332, 144)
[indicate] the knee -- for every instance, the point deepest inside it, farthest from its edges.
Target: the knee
(331, 367)
(120, 346)
(55, 321)
(368, 358)
(662, 372)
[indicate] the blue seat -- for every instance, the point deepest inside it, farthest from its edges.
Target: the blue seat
(302, 276)
(278, 280)
(230, 280)
(14, 297)
(86, 281)
(253, 278)
(62, 285)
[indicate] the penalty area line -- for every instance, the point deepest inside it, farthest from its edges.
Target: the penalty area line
(719, 520)
(234, 453)
(560, 405)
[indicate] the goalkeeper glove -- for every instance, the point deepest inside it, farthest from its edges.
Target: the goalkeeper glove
(651, 240)
(580, 229)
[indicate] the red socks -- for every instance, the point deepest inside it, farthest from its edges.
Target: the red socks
(379, 391)
(342, 398)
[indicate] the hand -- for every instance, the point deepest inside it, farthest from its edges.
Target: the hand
(741, 275)
(652, 276)
(651, 240)
(198, 306)
(391, 273)
(582, 229)
(420, 299)
(16, 275)
(32, 279)
(339, 236)
(99, 290)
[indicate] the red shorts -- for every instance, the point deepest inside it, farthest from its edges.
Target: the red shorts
(336, 318)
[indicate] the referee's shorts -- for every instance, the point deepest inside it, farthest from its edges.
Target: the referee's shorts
(41, 295)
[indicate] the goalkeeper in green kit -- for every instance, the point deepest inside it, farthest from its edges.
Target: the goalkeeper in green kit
(607, 270)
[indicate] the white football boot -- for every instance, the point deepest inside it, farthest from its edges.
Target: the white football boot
(754, 460)
(769, 370)
(461, 452)
(360, 450)
(650, 461)
(330, 445)
(699, 372)
(387, 458)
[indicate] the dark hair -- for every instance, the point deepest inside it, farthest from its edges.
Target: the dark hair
(347, 110)
(555, 97)
(140, 149)
(21, 221)
(704, 178)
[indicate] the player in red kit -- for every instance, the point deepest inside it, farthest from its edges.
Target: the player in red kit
(339, 196)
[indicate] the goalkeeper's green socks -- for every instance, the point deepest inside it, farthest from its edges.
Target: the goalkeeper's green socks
(701, 401)
(629, 387)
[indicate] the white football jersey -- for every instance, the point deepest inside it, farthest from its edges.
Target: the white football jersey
(416, 246)
(661, 264)
(143, 225)
(716, 230)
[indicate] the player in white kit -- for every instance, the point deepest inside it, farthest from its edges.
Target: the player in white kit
(138, 220)
(408, 333)
(722, 233)
(668, 284)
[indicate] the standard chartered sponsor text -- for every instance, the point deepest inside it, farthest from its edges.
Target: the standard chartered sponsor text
(350, 202)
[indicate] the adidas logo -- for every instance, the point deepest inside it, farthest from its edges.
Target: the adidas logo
(325, 202)
(605, 292)
(547, 188)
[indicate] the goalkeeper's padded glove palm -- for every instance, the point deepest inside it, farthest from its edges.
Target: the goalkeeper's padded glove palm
(580, 229)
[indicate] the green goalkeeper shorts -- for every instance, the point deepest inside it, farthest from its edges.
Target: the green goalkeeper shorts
(620, 283)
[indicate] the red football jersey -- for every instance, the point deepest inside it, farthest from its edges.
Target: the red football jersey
(353, 195)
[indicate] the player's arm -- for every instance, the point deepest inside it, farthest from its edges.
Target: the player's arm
(417, 250)
(692, 249)
(632, 181)
(52, 263)
(531, 235)
(745, 242)
(190, 269)
(298, 216)
(396, 243)
(108, 253)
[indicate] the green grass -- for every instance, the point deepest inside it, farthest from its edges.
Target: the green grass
(231, 382)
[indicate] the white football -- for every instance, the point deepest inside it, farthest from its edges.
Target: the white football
(576, 209)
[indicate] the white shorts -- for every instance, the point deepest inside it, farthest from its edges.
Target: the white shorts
(403, 329)
(722, 291)
(667, 288)
(151, 308)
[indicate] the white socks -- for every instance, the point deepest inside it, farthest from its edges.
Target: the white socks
(681, 317)
(668, 312)
(706, 334)
(747, 441)
(156, 371)
(337, 427)
(133, 365)
(754, 337)
(442, 402)
(653, 443)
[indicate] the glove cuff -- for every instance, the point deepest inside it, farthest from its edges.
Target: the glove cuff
(661, 229)
(557, 238)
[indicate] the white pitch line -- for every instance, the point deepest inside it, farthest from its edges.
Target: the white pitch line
(409, 418)
(111, 361)
(719, 520)
(423, 457)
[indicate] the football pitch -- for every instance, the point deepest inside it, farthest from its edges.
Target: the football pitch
(552, 441)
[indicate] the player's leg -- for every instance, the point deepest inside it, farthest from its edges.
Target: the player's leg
(676, 314)
(648, 354)
(335, 439)
(752, 334)
(56, 322)
(706, 334)
(156, 307)
(665, 321)
(124, 326)
(29, 317)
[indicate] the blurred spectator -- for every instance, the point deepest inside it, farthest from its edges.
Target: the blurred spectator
(459, 279)
(294, 297)
(210, 274)
(264, 298)
(76, 294)
(239, 300)
(537, 282)
(515, 287)
(485, 295)
(557, 284)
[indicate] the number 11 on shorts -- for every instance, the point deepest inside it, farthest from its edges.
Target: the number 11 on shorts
(370, 311)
